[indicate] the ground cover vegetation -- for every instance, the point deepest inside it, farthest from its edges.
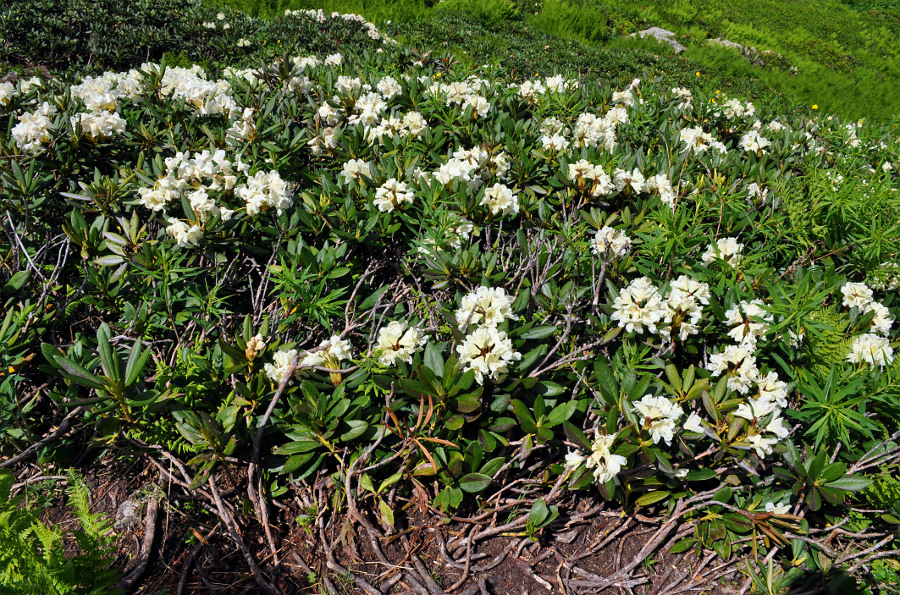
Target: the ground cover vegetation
(327, 284)
(836, 54)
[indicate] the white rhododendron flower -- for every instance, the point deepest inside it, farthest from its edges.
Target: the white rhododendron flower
(500, 200)
(396, 343)
(610, 241)
(355, 169)
(264, 191)
(781, 508)
(856, 295)
(330, 355)
(485, 306)
(638, 307)
(278, 370)
(605, 465)
(633, 180)
(658, 416)
(694, 423)
(185, 236)
(388, 87)
(488, 352)
(33, 129)
(661, 185)
(7, 92)
(749, 322)
(727, 249)
(752, 142)
(98, 125)
(574, 460)
(683, 96)
(391, 195)
(737, 363)
(772, 389)
(480, 105)
(882, 320)
(683, 308)
(871, 349)
(761, 444)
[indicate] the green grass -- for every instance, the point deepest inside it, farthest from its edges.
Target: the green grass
(839, 55)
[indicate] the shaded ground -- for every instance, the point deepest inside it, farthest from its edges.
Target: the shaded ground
(192, 551)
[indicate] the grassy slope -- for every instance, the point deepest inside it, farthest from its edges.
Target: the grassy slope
(844, 53)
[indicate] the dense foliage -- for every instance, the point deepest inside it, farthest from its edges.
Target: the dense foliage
(307, 264)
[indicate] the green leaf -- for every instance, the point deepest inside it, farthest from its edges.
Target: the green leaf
(109, 359)
(700, 474)
(357, 428)
(539, 513)
(682, 545)
(539, 332)
(652, 498)
(576, 436)
(850, 483)
(387, 515)
(433, 358)
(547, 388)
(137, 359)
(560, 414)
(370, 301)
(15, 283)
(70, 369)
(737, 522)
(474, 482)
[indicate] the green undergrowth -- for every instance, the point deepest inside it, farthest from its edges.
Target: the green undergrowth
(431, 270)
(839, 56)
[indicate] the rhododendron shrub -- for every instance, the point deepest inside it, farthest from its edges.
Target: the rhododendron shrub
(470, 276)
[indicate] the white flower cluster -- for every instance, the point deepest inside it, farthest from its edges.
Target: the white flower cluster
(465, 94)
(530, 90)
(753, 142)
(485, 306)
(203, 172)
(733, 108)
(264, 191)
(319, 16)
(7, 93)
(684, 97)
(396, 342)
(698, 142)
(98, 125)
(473, 167)
(207, 97)
(33, 129)
(278, 370)
(873, 347)
(659, 416)
(727, 249)
(486, 350)
(748, 321)
(355, 169)
(330, 354)
(610, 242)
(411, 124)
(605, 465)
(103, 92)
(501, 200)
(641, 307)
(738, 364)
(391, 195)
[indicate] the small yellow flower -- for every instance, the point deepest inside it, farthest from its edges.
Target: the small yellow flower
(698, 73)
(815, 106)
